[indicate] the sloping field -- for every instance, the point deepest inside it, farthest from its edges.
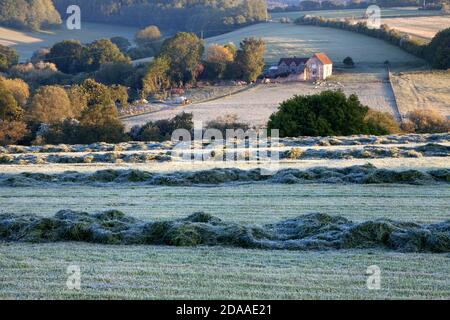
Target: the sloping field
(423, 90)
(423, 27)
(293, 40)
(28, 42)
(357, 13)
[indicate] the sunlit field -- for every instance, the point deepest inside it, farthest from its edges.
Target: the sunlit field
(283, 40)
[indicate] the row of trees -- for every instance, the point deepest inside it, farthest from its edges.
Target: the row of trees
(29, 14)
(72, 57)
(211, 16)
(181, 61)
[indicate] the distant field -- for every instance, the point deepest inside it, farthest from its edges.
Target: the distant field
(357, 13)
(28, 42)
(293, 40)
(423, 27)
(423, 90)
(38, 271)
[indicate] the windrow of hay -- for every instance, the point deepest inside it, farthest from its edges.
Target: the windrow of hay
(366, 174)
(289, 142)
(294, 153)
(314, 231)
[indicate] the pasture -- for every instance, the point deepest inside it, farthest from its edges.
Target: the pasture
(27, 42)
(422, 27)
(418, 90)
(284, 40)
(38, 271)
(256, 105)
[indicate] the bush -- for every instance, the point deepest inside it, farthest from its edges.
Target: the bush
(162, 130)
(12, 132)
(72, 132)
(50, 104)
(9, 108)
(381, 123)
(146, 37)
(18, 88)
(122, 43)
(329, 113)
(227, 122)
(427, 121)
(348, 62)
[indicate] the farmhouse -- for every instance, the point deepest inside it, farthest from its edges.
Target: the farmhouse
(318, 67)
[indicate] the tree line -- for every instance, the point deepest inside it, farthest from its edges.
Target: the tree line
(29, 14)
(211, 16)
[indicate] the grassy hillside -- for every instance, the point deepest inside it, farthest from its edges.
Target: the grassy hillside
(293, 40)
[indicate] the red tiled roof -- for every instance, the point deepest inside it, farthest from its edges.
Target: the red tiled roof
(323, 58)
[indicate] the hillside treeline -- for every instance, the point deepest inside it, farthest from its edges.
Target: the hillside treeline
(28, 14)
(210, 16)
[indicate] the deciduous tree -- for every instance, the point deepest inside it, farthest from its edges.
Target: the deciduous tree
(50, 104)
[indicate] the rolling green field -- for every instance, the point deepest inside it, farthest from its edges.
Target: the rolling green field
(27, 42)
(284, 40)
(38, 271)
(357, 13)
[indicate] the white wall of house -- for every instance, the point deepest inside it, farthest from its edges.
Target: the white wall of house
(317, 70)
